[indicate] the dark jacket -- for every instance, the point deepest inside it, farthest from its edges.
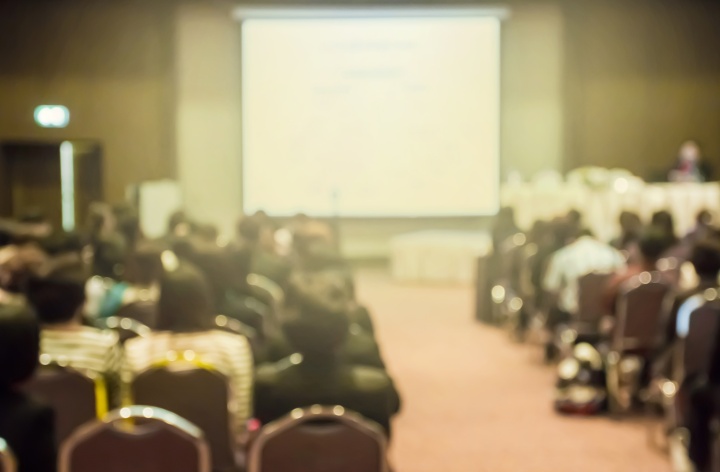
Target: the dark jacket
(283, 386)
(29, 429)
(360, 348)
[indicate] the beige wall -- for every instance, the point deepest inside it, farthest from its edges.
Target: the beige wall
(110, 64)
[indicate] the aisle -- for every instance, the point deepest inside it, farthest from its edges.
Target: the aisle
(475, 402)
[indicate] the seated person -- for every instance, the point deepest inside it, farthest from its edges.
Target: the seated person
(185, 323)
(583, 255)
(630, 231)
(319, 374)
(57, 297)
(27, 426)
(651, 246)
(359, 346)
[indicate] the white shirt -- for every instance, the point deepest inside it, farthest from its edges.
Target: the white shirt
(583, 256)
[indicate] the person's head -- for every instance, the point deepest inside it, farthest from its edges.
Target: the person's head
(574, 217)
(705, 258)
(109, 257)
(248, 228)
(704, 218)
(664, 221)
(630, 223)
(315, 325)
(144, 265)
(128, 225)
(652, 245)
(17, 263)
(185, 301)
(506, 217)
(690, 151)
(57, 294)
(19, 345)
(179, 224)
(207, 232)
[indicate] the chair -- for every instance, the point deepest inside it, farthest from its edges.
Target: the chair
(137, 438)
(483, 307)
(7, 461)
(197, 393)
(143, 311)
(231, 325)
(76, 397)
(642, 301)
(692, 357)
(126, 328)
(328, 439)
(591, 290)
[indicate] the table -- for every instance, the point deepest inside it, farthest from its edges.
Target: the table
(601, 207)
(438, 256)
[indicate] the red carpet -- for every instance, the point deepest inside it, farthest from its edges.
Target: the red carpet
(475, 402)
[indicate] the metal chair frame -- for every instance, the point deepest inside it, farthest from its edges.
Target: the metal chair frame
(125, 416)
(314, 413)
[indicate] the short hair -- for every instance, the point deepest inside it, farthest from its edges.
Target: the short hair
(185, 301)
(249, 228)
(319, 325)
(57, 295)
(19, 345)
(705, 257)
(665, 221)
(109, 256)
(652, 243)
(145, 264)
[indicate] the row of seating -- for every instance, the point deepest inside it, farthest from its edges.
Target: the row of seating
(150, 438)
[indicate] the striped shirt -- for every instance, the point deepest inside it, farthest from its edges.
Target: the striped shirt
(567, 265)
(85, 349)
(227, 353)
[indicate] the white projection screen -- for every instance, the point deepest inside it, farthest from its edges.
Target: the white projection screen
(371, 115)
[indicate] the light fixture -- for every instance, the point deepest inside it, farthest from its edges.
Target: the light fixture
(52, 116)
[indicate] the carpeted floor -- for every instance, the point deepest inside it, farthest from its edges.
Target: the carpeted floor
(475, 402)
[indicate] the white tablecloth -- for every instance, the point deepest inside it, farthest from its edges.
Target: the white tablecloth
(438, 256)
(601, 208)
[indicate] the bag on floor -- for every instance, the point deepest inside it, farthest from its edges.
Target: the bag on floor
(580, 387)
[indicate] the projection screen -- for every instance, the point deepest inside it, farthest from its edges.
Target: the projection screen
(358, 114)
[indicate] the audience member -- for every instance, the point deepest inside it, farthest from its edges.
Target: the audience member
(186, 323)
(57, 297)
(651, 246)
(27, 426)
(318, 374)
(631, 228)
(584, 254)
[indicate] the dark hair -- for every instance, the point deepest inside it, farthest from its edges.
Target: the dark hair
(664, 221)
(109, 256)
(144, 266)
(19, 345)
(249, 228)
(319, 325)
(57, 296)
(185, 301)
(652, 244)
(705, 258)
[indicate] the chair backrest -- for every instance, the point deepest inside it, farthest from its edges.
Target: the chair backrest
(591, 292)
(319, 439)
(7, 460)
(143, 311)
(642, 301)
(200, 395)
(76, 397)
(483, 277)
(698, 344)
(138, 439)
(231, 325)
(126, 328)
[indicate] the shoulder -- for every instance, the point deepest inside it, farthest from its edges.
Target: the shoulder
(370, 379)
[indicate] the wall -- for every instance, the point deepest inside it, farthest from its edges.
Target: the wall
(110, 63)
(641, 77)
(209, 121)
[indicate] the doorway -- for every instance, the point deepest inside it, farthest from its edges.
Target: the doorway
(55, 181)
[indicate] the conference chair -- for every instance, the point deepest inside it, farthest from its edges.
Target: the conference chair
(197, 392)
(319, 438)
(273, 292)
(76, 397)
(126, 328)
(136, 438)
(692, 355)
(483, 277)
(7, 460)
(142, 311)
(231, 325)
(641, 303)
